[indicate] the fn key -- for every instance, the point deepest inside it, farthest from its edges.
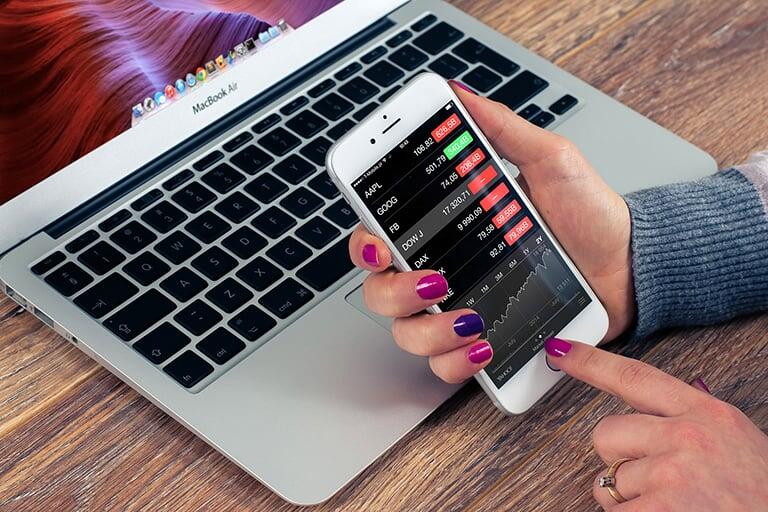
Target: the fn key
(188, 369)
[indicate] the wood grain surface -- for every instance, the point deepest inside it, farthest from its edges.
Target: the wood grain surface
(73, 437)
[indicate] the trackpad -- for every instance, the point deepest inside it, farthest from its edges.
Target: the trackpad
(355, 298)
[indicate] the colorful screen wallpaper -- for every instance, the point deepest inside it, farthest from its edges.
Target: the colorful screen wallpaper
(73, 70)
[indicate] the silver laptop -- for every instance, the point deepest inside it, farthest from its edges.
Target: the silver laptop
(201, 253)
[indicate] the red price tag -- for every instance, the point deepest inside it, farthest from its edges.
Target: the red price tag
(494, 197)
(446, 127)
(482, 179)
(507, 213)
(519, 230)
(470, 162)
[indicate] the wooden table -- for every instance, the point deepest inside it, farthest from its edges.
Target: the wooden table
(73, 437)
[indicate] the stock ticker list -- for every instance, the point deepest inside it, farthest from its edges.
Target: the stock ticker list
(449, 207)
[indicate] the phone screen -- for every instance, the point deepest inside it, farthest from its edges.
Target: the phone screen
(447, 206)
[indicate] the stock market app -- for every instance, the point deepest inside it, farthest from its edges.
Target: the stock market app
(448, 206)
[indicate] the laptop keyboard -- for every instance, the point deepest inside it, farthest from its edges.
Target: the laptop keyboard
(204, 268)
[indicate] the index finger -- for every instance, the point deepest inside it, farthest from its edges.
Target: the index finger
(645, 388)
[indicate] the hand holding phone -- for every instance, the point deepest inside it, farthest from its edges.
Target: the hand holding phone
(434, 201)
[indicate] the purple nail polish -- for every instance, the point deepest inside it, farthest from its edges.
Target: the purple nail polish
(468, 325)
(480, 352)
(700, 384)
(370, 255)
(557, 347)
(432, 286)
(461, 86)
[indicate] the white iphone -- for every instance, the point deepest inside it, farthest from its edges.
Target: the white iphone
(422, 177)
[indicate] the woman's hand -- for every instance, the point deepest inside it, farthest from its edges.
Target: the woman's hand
(690, 451)
(590, 220)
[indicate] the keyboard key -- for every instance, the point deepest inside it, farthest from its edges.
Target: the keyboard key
(528, 112)
(373, 55)
(359, 90)
(333, 106)
(399, 39)
(266, 123)
(384, 97)
(323, 185)
(146, 268)
(321, 88)
(317, 232)
(266, 188)
(329, 267)
(82, 241)
(340, 129)
(481, 79)
(294, 169)
(341, 213)
(198, 317)
(245, 242)
(289, 253)
(46, 264)
(251, 159)
(237, 207)
(474, 51)
(229, 295)
(438, 38)
(316, 150)
(177, 247)
(101, 258)
(279, 141)
(448, 66)
(384, 73)
(214, 263)
(424, 22)
(543, 119)
(194, 197)
(293, 105)
(273, 222)
(223, 178)
(208, 227)
(115, 220)
(520, 89)
(133, 237)
(408, 57)
(183, 284)
(208, 160)
(347, 71)
(259, 274)
(147, 199)
(106, 295)
(188, 369)
(252, 323)
(302, 202)
(220, 346)
(164, 217)
(365, 111)
(563, 105)
(237, 141)
(306, 123)
(286, 298)
(162, 343)
(139, 315)
(177, 180)
(69, 279)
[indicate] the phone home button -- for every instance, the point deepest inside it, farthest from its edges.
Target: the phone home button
(550, 366)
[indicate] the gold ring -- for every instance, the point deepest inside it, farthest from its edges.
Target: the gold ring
(609, 480)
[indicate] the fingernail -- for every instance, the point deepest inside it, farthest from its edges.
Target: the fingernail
(557, 347)
(480, 352)
(468, 325)
(700, 384)
(432, 286)
(370, 256)
(461, 86)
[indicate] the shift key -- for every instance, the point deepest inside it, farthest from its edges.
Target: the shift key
(139, 315)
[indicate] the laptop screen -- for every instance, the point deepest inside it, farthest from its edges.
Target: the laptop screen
(77, 74)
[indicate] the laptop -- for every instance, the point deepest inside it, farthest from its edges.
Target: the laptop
(174, 221)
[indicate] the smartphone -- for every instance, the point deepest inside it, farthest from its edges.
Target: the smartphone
(421, 176)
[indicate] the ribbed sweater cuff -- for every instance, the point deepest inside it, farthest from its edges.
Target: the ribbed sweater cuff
(700, 252)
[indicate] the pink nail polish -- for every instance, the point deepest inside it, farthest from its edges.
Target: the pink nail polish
(370, 255)
(480, 352)
(700, 384)
(461, 86)
(432, 286)
(556, 347)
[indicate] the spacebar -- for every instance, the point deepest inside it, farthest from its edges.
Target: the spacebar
(520, 89)
(329, 267)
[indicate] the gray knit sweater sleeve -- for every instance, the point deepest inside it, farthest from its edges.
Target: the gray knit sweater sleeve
(700, 249)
